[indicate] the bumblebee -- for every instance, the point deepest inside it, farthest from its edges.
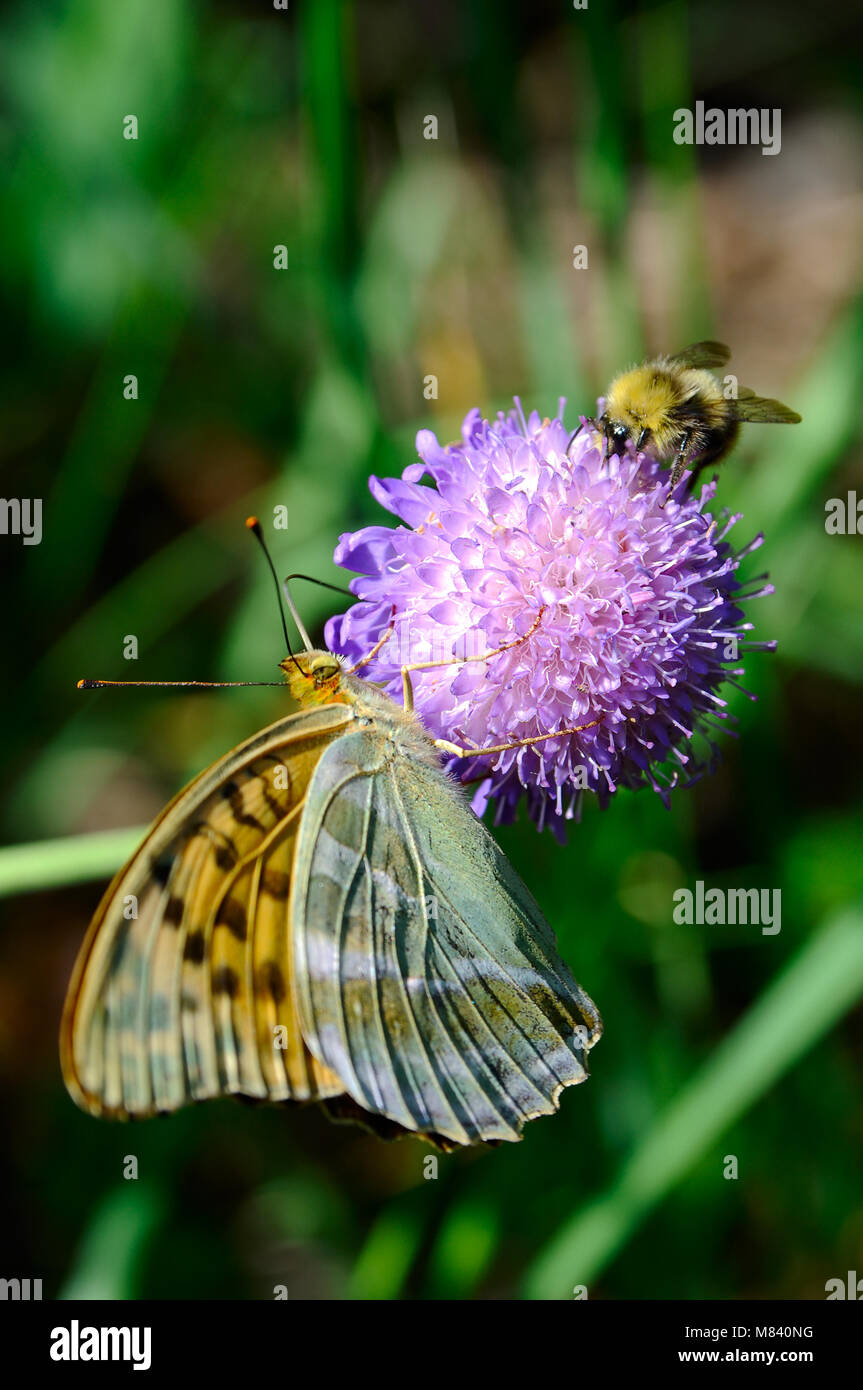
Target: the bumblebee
(674, 409)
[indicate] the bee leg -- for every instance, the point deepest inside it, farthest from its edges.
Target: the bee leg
(679, 466)
(600, 426)
(574, 435)
(589, 420)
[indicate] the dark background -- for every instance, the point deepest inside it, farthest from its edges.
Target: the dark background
(259, 388)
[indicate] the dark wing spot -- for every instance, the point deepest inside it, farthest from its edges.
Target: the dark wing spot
(277, 884)
(233, 794)
(226, 857)
(226, 981)
(271, 981)
(273, 804)
(174, 909)
(194, 948)
(161, 868)
(233, 916)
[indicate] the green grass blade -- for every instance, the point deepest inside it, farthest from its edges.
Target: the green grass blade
(385, 1261)
(72, 859)
(815, 990)
(464, 1249)
(113, 1243)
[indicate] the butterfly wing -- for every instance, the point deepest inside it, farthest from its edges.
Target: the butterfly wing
(706, 354)
(427, 977)
(183, 988)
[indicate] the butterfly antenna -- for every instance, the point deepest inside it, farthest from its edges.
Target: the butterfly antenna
(255, 527)
(292, 608)
(310, 579)
(179, 685)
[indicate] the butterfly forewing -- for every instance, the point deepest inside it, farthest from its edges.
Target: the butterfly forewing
(428, 979)
(183, 988)
(320, 916)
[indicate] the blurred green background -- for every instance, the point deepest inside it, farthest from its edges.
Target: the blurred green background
(260, 387)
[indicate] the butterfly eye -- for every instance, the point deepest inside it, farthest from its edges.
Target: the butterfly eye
(323, 672)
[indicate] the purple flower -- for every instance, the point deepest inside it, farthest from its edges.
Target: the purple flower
(614, 611)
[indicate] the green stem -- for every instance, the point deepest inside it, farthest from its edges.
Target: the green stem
(73, 859)
(811, 994)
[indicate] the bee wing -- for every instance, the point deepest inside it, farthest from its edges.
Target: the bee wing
(186, 969)
(428, 979)
(706, 354)
(760, 409)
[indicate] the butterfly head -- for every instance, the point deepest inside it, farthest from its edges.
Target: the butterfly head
(313, 678)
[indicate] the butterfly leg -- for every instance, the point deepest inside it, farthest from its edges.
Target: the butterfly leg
(369, 656)
(407, 688)
(453, 748)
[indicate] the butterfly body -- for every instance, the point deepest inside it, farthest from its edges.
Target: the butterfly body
(319, 916)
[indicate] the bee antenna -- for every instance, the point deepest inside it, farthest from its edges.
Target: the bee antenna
(255, 527)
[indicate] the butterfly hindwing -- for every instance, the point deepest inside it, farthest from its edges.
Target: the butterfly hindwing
(183, 988)
(427, 978)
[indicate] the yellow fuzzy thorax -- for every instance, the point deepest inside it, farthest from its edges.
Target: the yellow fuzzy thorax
(649, 396)
(320, 678)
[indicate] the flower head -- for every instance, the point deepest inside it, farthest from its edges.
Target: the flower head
(609, 604)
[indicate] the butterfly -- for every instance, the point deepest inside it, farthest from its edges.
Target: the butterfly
(319, 916)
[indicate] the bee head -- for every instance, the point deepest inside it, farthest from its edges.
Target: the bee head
(616, 432)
